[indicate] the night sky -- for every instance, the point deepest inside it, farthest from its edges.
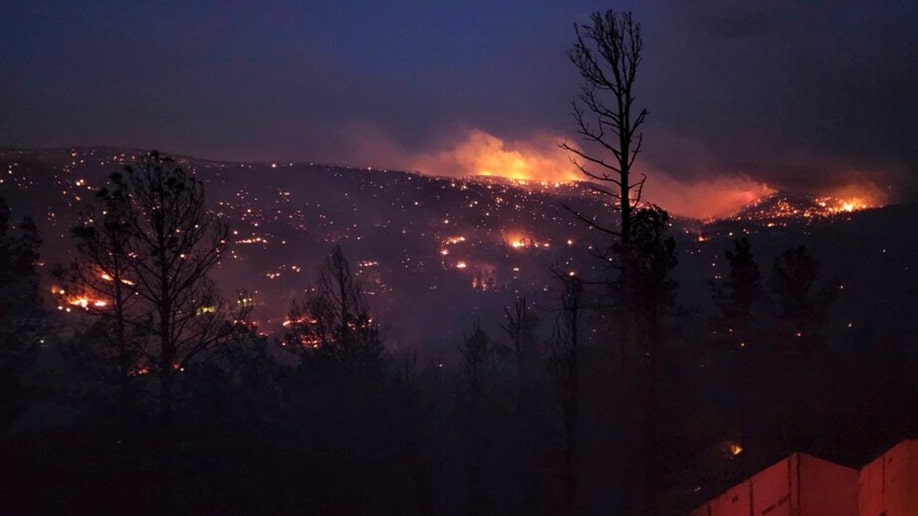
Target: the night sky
(793, 94)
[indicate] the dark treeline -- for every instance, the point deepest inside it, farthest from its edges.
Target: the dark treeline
(166, 399)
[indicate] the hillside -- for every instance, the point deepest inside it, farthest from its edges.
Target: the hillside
(437, 253)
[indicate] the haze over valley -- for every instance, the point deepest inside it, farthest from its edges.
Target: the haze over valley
(436, 253)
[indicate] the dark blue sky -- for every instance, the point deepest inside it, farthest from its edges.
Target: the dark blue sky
(783, 91)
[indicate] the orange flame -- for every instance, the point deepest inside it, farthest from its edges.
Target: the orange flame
(856, 196)
(540, 160)
(521, 240)
(77, 301)
(483, 154)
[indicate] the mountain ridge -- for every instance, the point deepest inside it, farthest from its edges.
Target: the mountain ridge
(437, 253)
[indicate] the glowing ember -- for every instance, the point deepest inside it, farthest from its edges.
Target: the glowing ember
(518, 240)
(253, 240)
(106, 277)
(85, 302)
(141, 371)
(731, 448)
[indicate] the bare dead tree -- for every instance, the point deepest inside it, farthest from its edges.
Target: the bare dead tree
(607, 54)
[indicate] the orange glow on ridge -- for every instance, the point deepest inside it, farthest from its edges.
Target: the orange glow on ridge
(482, 154)
(538, 161)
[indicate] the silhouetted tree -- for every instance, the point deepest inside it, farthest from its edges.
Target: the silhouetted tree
(651, 257)
(564, 368)
(416, 435)
(800, 309)
(649, 290)
(344, 403)
(157, 237)
(800, 304)
(334, 324)
(100, 283)
(735, 295)
(476, 352)
(520, 325)
(607, 54)
(161, 238)
(22, 318)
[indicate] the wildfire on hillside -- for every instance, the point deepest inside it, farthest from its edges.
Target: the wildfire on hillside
(539, 162)
(482, 154)
(782, 207)
(856, 197)
(520, 240)
(833, 205)
(88, 298)
(67, 302)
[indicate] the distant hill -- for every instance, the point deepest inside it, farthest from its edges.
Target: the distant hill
(436, 253)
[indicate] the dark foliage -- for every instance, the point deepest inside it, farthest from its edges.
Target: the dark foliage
(23, 322)
(333, 325)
